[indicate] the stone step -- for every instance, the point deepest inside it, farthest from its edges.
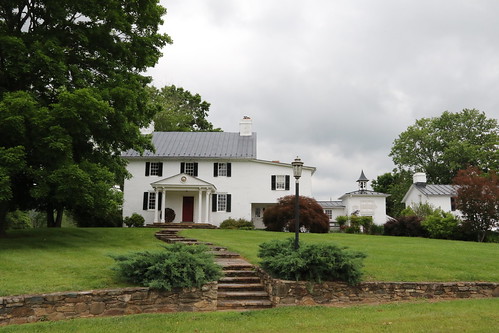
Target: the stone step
(223, 287)
(243, 304)
(256, 295)
(240, 279)
(225, 254)
(241, 272)
(218, 248)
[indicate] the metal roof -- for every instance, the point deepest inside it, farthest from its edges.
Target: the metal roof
(362, 177)
(447, 190)
(331, 204)
(200, 145)
(366, 193)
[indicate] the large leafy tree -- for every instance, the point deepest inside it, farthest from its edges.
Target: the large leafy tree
(179, 110)
(72, 96)
(443, 145)
(396, 184)
(478, 199)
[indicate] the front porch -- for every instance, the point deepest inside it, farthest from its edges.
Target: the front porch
(187, 198)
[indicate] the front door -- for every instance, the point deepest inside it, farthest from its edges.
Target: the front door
(188, 209)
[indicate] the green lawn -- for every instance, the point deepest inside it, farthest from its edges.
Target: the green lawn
(449, 316)
(389, 258)
(48, 260)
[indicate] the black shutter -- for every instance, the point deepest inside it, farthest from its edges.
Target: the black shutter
(229, 169)
(145, 202)
(215, 169)
(272, 182)
(287, 183)
(182, 167)
(160, 194)
(148, 166)
(195, 169)
(160, 169)
(213, 202)
(229, 200)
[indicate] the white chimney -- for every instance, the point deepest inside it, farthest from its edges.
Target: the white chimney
(245, 126)
(419, 178)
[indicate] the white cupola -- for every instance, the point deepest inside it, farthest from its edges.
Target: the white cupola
(362, 181)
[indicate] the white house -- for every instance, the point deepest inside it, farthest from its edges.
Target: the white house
(438, 196)
(206, 177)
(362, 202)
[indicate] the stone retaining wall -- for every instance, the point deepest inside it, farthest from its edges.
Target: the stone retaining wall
(107, 302)
(286, 293)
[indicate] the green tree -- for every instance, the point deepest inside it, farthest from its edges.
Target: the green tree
(72, 97)
(478, 200)
(443, 145)
(396, 184)
(179, 110)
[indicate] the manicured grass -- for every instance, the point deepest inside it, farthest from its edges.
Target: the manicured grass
(450, 316)
(389, 258)
(48, 260)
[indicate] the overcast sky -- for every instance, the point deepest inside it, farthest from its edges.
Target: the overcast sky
(333, 81)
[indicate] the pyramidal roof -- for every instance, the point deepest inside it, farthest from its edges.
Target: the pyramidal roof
(362, 177)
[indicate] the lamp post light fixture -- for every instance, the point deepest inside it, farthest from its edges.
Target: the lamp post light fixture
(297, 168)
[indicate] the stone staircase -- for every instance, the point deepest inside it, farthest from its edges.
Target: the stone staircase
(240, 288)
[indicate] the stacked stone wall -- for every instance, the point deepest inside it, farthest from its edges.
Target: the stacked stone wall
(107, 302)
(286, 293)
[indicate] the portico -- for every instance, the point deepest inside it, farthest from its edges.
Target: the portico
(184, 194)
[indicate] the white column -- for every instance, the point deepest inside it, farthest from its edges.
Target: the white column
(156, 205)
(163, 205)
(207, 207)
(200, 210)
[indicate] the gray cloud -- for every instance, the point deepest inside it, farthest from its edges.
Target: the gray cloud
(333, 81)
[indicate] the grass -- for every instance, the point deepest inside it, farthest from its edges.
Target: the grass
(389, 258)
(48, 260)
(70, 259)
(450, 316)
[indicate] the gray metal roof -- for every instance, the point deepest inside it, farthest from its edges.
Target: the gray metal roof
(200, 145)
(437, 189)
(367, 193)
(331, 204)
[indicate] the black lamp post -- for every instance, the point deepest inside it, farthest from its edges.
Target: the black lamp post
(297, 167)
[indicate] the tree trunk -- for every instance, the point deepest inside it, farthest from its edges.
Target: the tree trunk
(3, 220)
(58, 219)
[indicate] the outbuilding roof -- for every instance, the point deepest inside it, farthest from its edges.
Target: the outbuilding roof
(331, 204)
(446, 190)
(200, 145)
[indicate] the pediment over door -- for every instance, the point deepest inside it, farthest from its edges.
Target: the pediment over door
(183, 181)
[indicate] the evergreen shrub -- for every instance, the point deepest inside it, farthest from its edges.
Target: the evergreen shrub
(136, 220)
(311, 262)
(405, 226)
(175, 266)
(240, 224)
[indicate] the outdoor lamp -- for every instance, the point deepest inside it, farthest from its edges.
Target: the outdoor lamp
(297, 168)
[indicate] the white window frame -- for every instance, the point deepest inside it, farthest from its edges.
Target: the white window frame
(154, 168)
(280, 182)
(329, 213)
(222, 169)
(189, 168)
(151, 201)
(222, 202)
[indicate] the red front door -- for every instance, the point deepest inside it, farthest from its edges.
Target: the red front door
(188, 209)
